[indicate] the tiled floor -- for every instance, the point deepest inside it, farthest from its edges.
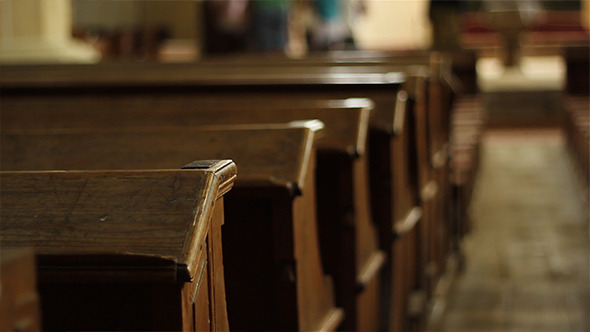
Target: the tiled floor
(527, 258)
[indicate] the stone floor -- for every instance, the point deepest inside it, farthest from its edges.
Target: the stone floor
(527, 257)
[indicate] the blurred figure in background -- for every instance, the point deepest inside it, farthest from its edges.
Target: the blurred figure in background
(269, 24)
(332, 26)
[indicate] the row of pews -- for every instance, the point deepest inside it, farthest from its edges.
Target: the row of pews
(576, 125)
(258, 193)
(576, 110)
(468, 123)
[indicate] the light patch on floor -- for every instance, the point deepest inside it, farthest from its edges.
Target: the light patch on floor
(534, 73)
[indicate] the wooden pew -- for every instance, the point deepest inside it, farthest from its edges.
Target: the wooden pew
(341, 151)
(576, 124)
(468, 123)
(440, 90)
(19, 299)
(208, 83)
(237, 83)
(133, 250)
(272, 266)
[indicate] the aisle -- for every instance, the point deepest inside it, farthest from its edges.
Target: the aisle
(527, 256)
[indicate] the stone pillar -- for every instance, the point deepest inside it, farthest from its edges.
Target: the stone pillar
(40, 31)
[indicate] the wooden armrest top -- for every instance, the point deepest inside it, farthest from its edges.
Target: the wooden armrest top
(346, 120)
(117, 75)
(276, 153)
(163, 214)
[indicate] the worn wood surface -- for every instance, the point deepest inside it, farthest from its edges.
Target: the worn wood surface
(139, 251)
(37, 206)
(366, 78)
(254, 148)
(375, 83)
(279, 197)
(345, 135)
(346, 120)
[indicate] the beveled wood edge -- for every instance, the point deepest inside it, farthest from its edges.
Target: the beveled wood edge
(408, 223)
(307, 149)
(225, 169)
(199, 280)
(183, 74)
(363, 130)
(429, 191)
(399, 117)
(222, 176)
(331, 321)
(370, 270)
(365, 107)
(349, 102)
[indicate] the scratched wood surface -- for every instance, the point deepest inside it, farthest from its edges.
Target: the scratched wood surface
(278, 83)
(100, 212)
(316, 83)
(346, 127)
(136, 238)
(278, 197)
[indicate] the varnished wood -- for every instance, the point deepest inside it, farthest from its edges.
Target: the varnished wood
(432, 102)
(19, 299)
(321, 83)
(346, 119)
(345, 134)
(352, 80)
(157, 148)
(270, 231)
(92, 245)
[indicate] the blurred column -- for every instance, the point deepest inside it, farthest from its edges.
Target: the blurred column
(40, 31)
(388, 25)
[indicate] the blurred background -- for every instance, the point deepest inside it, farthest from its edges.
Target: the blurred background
(186, 30)
(528, 254)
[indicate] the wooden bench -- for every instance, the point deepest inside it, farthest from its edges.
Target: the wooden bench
(272, 266)
(341, 151)
(204, 83)
(133, 250)
(576, 125)
(437, 71)
(19, 299)
(468, 123)
(317, 83)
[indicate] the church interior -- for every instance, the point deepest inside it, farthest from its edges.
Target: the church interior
(295, 165)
